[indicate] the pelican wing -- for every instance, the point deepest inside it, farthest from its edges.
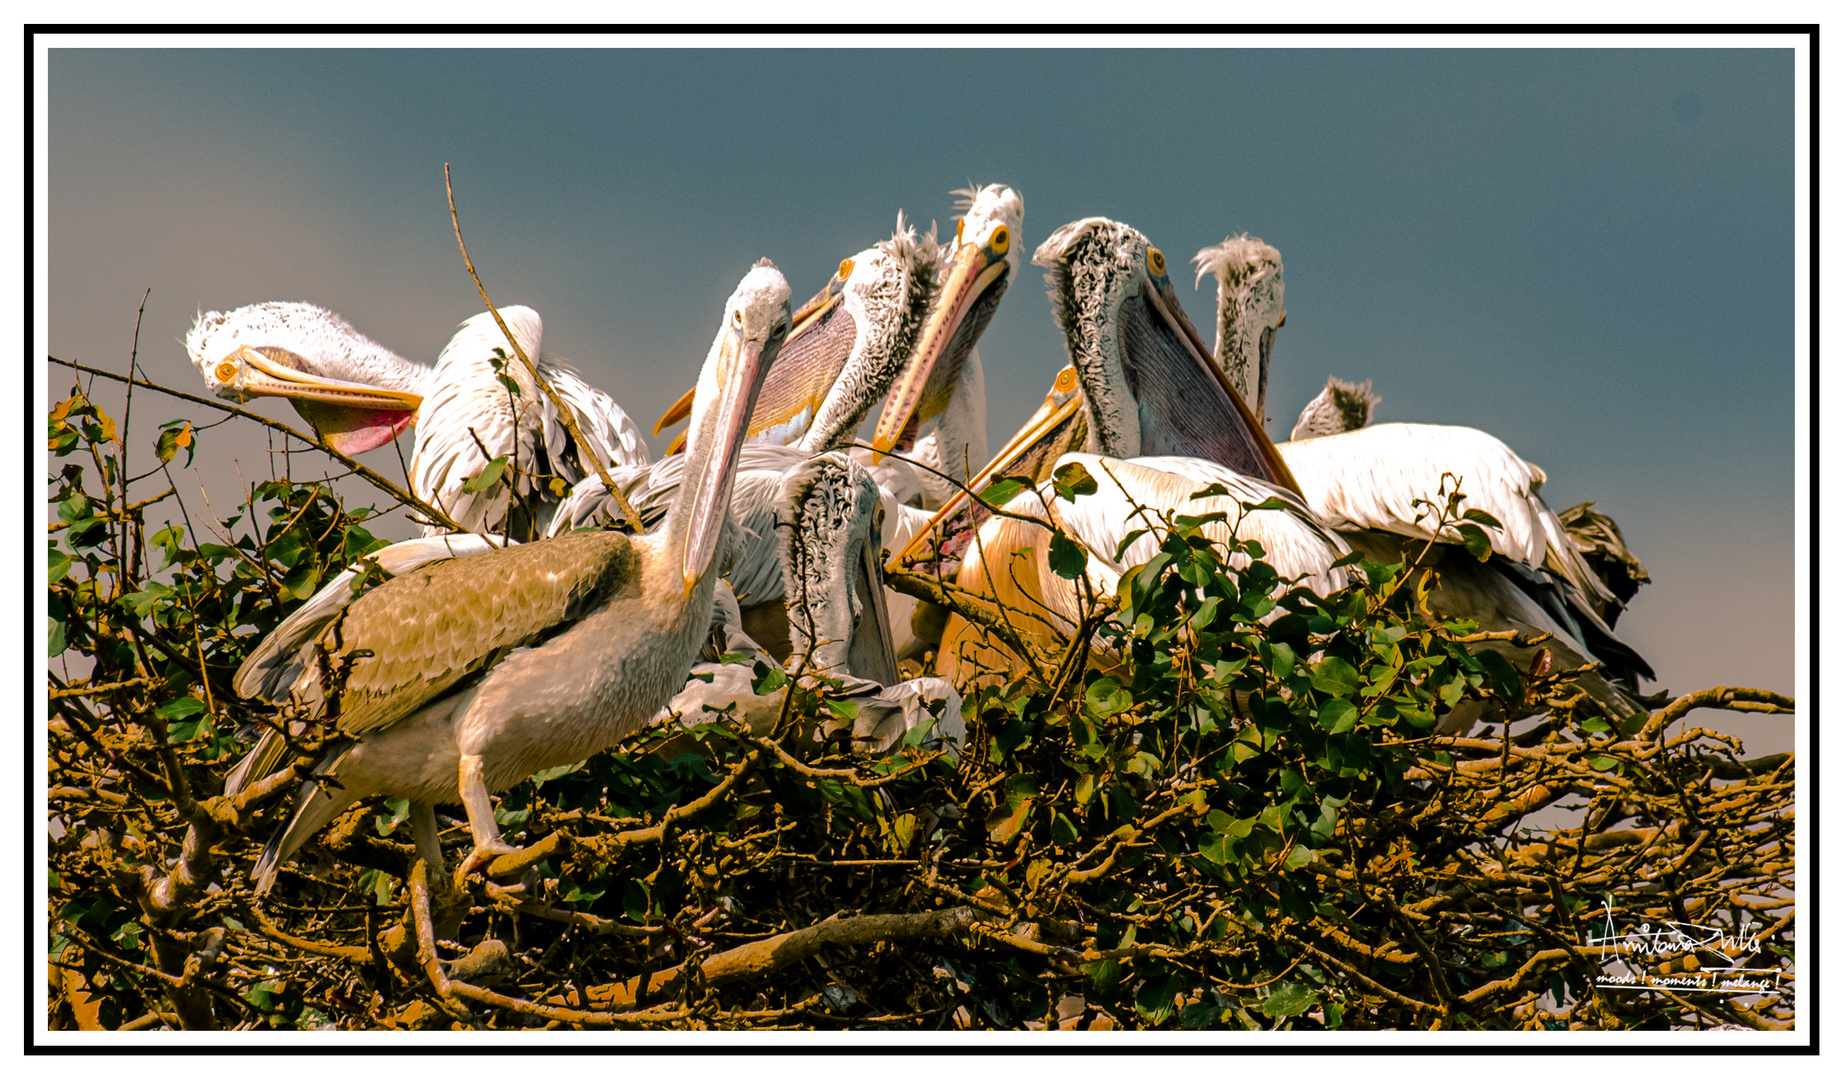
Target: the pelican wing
(611, 433)
(277, 661)
(413, 638)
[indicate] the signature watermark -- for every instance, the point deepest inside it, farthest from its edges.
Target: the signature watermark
(1682, 956)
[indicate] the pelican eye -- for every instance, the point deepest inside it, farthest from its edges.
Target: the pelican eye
(1155, 262)
(1001, 240)
(845, 268)
(227, 371)
(1066, 380)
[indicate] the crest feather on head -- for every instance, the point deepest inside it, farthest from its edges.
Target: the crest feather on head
(1238, 258)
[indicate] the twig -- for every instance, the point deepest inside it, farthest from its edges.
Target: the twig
(377, 481)
(564, 413)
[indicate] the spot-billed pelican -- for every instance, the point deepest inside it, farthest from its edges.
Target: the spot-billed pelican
(848, 345)
(1364, 483)
(1156, 422)
(464, 676)
(937, 413)
(359, 395)
(1342, 406)
(829, 512)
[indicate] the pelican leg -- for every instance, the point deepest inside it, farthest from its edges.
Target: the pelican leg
(479, 804)
(422, 820)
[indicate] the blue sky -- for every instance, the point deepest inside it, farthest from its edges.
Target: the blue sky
(1588, 253)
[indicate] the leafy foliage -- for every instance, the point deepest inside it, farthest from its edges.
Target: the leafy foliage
(1230, 807)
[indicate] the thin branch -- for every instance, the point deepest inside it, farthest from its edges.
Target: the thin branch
(564, 413)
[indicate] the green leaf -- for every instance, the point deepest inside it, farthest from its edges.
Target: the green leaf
(1482, 518)
(768, 679)
(1156, 1000)
(1004, 489)
(1337, 716)
(1272, 502)
(302, 581)
(54, 637)
(399, 813)
(75, 508)
(1504, 676)
(1603, 764)
(488, 476)
(1103, 976)
(175, 435)
(1211, 492)
(1068, 559)
(1288, 999)
(1283, 659)
(1072, 480)
(180, 708)
(1107, 698)
(58, 565)
(552, 774)
(1335, 676)
(1475, 540)
(584, 894)
(842, 708)
(1218, 848)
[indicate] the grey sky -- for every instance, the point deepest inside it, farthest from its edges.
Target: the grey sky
(1587, 253)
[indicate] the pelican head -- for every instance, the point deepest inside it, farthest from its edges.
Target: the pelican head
(284, 349)
(1148, 382)
(846, 346)
(1340, 407)
(831, 537)
(987, 255)
(1250, 308)
(755, 323)
(885, 293)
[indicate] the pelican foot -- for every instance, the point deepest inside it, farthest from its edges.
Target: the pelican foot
(483, 854)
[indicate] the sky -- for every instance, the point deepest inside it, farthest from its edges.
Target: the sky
(1588, 253)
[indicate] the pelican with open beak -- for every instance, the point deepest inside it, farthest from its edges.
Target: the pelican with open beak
(359, 395)
(351, 417)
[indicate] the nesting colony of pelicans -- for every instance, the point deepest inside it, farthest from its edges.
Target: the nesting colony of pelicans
(543, 630)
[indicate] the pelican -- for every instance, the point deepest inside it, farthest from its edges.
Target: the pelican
(359, 395)
(937, 414)
(464, 676)
(1363, 483)
(876, 318)
(848, 345)
(1157, 423)
(830, 512)
(1343, 406)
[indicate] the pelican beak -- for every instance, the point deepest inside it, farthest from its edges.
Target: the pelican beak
(972, 272)
(802, 379)
(1166, 303)
(1055, 429)
(871, 654)
(350, 417)
(679, 411)
(742, 366)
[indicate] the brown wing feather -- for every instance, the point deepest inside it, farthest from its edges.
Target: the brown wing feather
(428, 629)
